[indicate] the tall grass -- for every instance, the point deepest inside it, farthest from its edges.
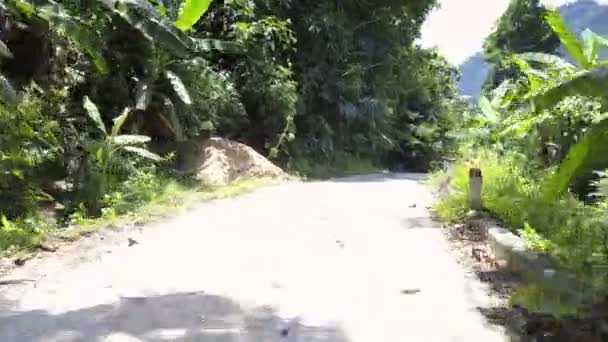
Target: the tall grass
(568, 230)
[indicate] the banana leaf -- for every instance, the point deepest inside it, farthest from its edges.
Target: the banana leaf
(190, 12)
(580, 157)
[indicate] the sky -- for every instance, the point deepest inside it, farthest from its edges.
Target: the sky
(458, 27)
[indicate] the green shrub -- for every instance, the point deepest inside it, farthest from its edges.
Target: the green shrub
(28, 139)
(568, 230)
(21, 233)
(340, 165)
(540, 300)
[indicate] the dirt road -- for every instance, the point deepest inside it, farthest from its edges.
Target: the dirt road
(349, 260)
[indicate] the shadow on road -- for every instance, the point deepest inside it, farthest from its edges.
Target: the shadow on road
(176, 317)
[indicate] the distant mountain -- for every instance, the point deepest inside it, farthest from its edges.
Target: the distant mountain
(473, 72)
(585, 14)
(578, 15)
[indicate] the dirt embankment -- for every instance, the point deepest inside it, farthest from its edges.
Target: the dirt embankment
(218, 161)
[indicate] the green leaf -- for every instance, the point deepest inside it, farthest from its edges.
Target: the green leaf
(119, 121)
(92, 146)
(520, 126)
(535, 77)
(18, 173)
(127, 139)
(43, 196)
(500, 94)
(144, 17)
(568, 39)
(22, 7)
(595, 42)
(487, 109)
(579, 157)
(5, 222)
(78, 32)
(588, 83)
(142, 152)
(100, 154)
(545, 58)
(93, 113)
(569, 168)
(190, 12)
(26, 130)
(599, 118)
(590, 46)
(601, 41)
(157, 29)
(178, 87)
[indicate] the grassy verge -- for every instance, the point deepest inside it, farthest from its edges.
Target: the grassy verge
(571, 232)
(342, 165)
(143, 198)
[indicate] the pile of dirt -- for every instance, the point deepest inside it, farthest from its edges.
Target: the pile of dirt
(218, 161)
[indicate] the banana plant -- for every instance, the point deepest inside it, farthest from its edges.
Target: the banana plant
(164, 34)
(160, 30)
(104, 152)
(590, 80)
(494, 119)
(584, 51)
(105, 149)
(164, 87)
(559, 79)
(138, 14)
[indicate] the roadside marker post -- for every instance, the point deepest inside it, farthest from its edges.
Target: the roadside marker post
(475, 186)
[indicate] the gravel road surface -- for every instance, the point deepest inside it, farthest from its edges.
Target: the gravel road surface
(347, 260)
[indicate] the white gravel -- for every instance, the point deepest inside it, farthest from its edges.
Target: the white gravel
(324, 261)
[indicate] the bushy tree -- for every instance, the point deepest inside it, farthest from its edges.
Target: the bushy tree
(521, 28)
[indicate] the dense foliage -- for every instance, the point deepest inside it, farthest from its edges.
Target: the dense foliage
(90, 88)
(521, 28)
(539, 138)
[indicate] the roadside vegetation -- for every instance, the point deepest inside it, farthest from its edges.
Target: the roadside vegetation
(342, 165)
(538, 134)
(99, 100)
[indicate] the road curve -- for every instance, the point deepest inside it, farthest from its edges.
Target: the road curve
(347, 260)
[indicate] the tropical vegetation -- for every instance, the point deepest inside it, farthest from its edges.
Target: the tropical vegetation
(99, 97)
(538, 137)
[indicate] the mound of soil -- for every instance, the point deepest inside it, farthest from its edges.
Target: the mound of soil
(218, 161)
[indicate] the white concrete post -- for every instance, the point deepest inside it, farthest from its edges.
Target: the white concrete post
(475, 184)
